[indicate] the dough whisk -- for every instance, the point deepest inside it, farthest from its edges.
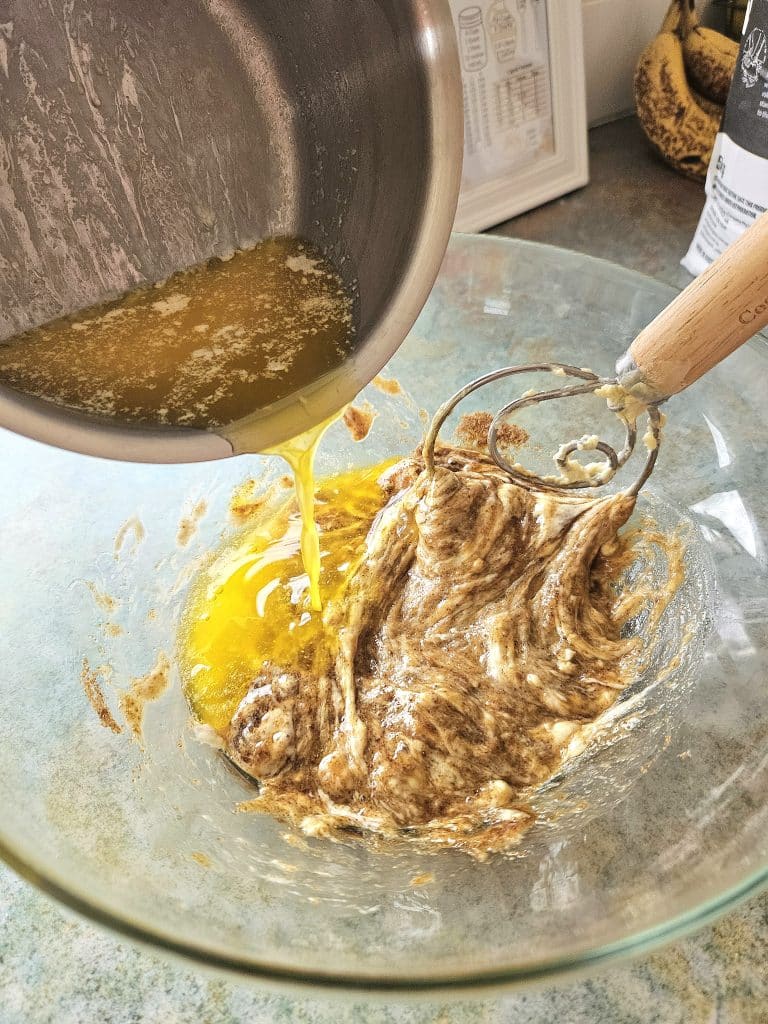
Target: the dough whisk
(705, 323)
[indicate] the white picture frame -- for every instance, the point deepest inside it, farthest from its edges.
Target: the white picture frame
(547, 175)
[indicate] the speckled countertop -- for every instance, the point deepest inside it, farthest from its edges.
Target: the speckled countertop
(59, 969)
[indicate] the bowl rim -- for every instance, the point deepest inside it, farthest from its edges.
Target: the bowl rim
(632, 945)
(505, 978)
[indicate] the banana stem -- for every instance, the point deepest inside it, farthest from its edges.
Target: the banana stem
(689, 19)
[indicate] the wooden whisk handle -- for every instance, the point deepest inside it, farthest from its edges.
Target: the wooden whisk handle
(712, 317)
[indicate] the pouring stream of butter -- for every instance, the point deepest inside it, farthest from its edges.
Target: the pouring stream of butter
(299, 453)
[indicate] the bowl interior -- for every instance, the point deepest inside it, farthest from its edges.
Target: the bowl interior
(662, 820)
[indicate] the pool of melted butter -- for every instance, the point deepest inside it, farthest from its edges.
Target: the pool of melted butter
(254, 605)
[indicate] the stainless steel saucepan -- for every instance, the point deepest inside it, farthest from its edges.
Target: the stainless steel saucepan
(139, 138)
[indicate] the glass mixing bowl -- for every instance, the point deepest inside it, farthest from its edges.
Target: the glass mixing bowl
(659, 825)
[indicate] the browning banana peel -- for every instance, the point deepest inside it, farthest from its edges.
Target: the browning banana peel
(710, 59)
(678, 127)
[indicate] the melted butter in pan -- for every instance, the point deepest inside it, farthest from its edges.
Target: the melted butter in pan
(205, 348)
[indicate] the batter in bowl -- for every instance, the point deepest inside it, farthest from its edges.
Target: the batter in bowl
(472, 629)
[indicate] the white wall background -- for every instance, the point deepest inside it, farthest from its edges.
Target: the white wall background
(615, 32)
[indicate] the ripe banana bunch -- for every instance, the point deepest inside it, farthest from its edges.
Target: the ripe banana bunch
(681, 84)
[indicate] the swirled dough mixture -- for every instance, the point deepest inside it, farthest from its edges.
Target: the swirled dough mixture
(483, 627)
